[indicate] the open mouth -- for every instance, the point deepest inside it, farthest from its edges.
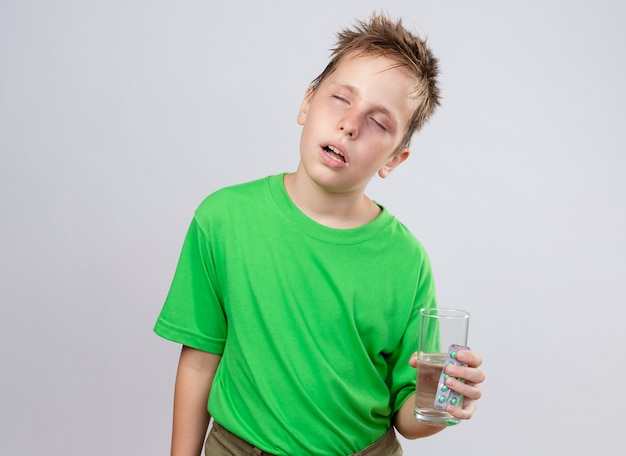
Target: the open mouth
(335, 154)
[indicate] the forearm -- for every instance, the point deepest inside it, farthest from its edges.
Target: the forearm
(193, 385)
(406, 424)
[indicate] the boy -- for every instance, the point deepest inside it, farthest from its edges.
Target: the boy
(296, 296)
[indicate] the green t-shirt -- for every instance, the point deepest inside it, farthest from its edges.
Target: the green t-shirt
(316, 325)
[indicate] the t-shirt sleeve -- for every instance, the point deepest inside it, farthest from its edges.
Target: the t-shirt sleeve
(402, 377)
(193, 314)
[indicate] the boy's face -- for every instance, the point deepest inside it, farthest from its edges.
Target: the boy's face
(353, 123)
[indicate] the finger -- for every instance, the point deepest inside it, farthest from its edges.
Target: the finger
(467, 389)
(465, 413)
(469, 374)
(470, 358)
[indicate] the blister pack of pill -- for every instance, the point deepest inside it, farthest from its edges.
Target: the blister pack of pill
(444, 394)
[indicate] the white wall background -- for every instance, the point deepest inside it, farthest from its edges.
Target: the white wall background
(118, 117)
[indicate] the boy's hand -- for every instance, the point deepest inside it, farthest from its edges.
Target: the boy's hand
(469, 388)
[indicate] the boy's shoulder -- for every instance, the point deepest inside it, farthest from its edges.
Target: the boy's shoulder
(234, 197)
(241, 190)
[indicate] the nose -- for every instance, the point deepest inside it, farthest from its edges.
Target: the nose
(349, 125)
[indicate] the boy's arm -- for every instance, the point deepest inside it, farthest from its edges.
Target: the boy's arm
(194, 377)
(410, 428)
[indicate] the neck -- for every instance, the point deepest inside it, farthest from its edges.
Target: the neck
(333, 209)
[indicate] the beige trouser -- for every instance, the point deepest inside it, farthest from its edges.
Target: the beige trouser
(222, 442)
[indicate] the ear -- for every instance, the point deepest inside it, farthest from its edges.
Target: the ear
(393, 162)
(304, 108)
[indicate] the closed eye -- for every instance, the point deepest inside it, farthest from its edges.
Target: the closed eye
(378, 124)
(340, 98)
